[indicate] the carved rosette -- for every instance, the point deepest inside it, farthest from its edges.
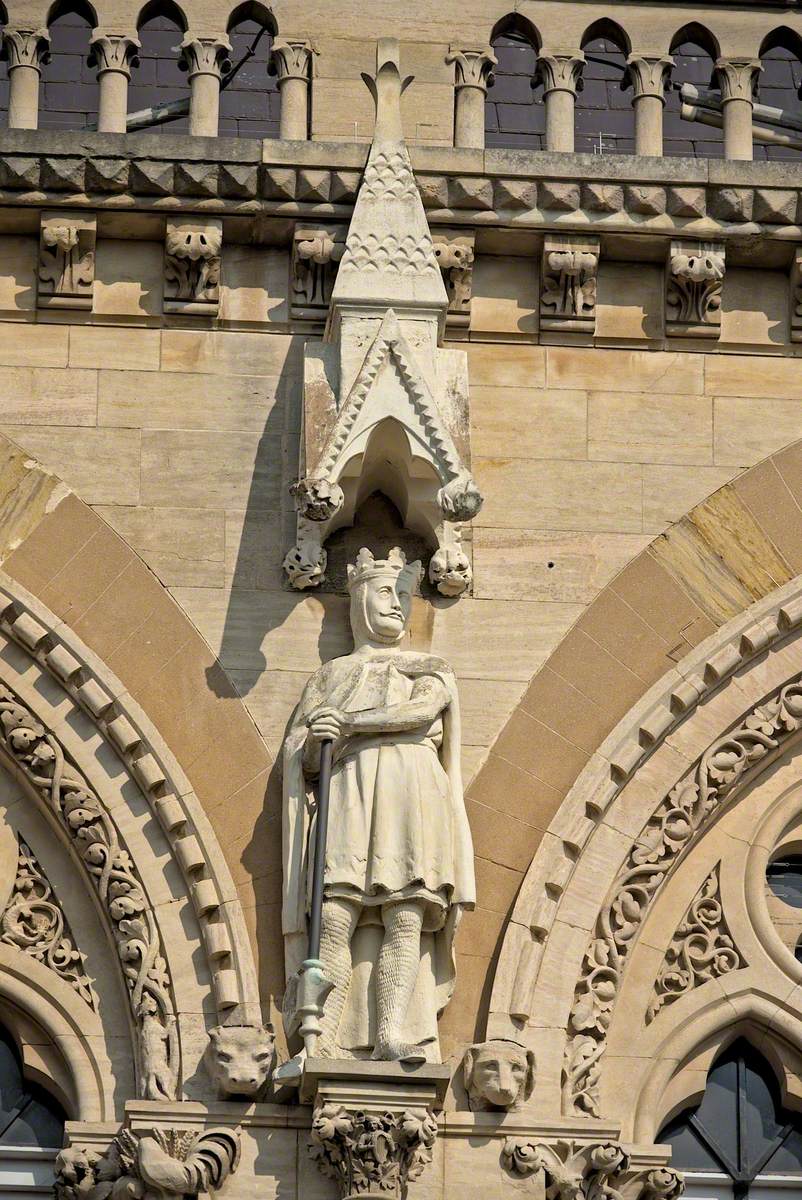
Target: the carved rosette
(114, 52)
(574, 1170)
(66, 273)
(316, 254)
(455, 256)
(26, 48)
(164, 1163)
(40, 757)
(701, 949)
(34, 921)
(192, 260)
(694, 284)
(677, 822)
(371, 1154)
(568, 283)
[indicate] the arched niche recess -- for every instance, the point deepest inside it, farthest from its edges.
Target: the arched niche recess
(665, 837)
(94, 792)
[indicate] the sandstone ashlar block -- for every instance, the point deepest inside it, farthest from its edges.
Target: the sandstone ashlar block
(694, 282)
(192, 259)
(568, 283)
(66, 270)
(316, 254)
(795, 299)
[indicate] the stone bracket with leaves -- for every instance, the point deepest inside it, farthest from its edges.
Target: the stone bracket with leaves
(571, 1169)
(371, 1153)
(694, 284)
(66, 269)
(568, 283)
(455, 252)
(192, 259)
(316, 254)
(795, 306)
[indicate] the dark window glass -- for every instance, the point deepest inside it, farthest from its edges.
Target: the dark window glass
(514, 113)
(784, 877)
(28, 1115)
(68, 93)
(739, 1127)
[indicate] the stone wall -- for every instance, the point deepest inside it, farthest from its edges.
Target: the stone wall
(184, 439)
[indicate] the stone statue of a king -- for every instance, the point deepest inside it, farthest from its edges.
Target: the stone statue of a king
(399, 860)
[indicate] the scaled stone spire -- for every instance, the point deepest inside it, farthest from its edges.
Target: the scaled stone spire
(389, 259)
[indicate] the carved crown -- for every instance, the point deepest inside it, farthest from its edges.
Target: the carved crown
(394, 565)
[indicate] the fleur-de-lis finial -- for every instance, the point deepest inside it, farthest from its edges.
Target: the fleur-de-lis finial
(386, 87)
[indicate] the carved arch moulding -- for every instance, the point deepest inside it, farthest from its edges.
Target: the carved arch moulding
(630, 856)
(140, 845)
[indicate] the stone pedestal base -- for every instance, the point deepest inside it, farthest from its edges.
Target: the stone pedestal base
(373, 1127)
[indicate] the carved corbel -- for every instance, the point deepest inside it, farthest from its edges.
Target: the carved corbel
(694, 283)
(574, 1170)
(795, 299)
(66, 274)
(167, 1164)
(372, 1153)
(316, 254)
(455, 256)
(192, 256)
(568, 283)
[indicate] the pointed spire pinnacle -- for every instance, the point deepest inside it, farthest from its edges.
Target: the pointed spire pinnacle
(389, 258)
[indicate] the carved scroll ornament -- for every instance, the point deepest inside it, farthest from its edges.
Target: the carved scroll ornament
(40, 757)
(33, 921)
(701, 948)
(573, 1170)
(678, 821)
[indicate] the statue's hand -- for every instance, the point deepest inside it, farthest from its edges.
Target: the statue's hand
(327, 724)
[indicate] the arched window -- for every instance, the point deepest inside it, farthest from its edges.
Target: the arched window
(738, 1142)
(694, 51)
(605, 119)
(31, 1128)
(514, 112)
(780, 87)
(69, 88)
(249, 103)
(160, 28)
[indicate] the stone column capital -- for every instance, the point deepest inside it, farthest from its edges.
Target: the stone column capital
(473, 68)
(291, 58)
(560, 71)
(114, 52)
(648, 74)
(737, 78)
(205, 56)
(26, 47)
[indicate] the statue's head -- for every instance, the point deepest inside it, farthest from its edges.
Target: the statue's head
(242, 1058)
(499, 1074)
(381, 596)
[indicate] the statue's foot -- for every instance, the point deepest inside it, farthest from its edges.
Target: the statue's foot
(397, 1051)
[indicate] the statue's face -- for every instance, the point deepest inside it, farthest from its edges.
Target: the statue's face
(388, 603)
(500, 1076)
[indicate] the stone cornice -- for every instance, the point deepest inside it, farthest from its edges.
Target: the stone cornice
(524, 190)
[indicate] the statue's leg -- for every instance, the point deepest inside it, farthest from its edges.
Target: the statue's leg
(338, 922)
(397, 973)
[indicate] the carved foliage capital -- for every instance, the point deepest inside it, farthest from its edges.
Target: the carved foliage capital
(473, 68)
(114, 52)
(292, 58)
(568, 283)
(192, 258)
(694, 283)
(561, 71)
(205, 56)
(574, 1170)
(737, 78)
(370, 1153)
(648, 74)
(26, 47)
(66, 273)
